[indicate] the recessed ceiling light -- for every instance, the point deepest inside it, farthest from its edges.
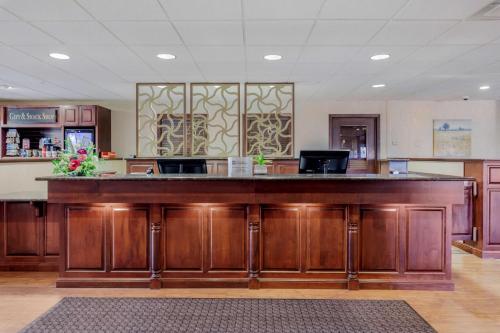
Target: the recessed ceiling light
(379, 85)
(6, 87)
(59, 56)
(484, 87)
(166, 56)
(272, 57)
(380, 57)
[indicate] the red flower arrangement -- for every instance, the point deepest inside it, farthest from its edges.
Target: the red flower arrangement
(81, 162)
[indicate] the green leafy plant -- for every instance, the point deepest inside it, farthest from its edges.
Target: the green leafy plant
(76, 162)
(260, 160)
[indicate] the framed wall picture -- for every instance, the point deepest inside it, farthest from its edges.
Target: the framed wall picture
(452, 138)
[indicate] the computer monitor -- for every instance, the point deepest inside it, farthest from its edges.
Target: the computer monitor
(323, 161)
(197, 166)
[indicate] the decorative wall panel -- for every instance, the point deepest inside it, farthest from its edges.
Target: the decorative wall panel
(215, 113)
(161, 125)
(268, 126)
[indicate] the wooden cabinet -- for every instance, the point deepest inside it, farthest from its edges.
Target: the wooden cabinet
(462, 215)
(29, 236)
(69, 115)
(486, 209)
(87, 115)
(79, 115)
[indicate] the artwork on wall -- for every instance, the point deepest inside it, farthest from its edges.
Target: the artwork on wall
(212, 127)
(268, 124)
(452, 138)
(215, 119)
(161, 125)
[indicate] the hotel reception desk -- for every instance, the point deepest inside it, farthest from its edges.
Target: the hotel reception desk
(282, 231)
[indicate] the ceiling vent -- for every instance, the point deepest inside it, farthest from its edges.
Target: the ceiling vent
(489, 12)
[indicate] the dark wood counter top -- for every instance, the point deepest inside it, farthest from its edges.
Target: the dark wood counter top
(259, 178)
(23, 196)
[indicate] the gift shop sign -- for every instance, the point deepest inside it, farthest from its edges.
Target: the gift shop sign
(31, 116)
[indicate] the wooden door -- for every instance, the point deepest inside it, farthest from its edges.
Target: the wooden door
(359, 134)
(70, 115)
(87, 115)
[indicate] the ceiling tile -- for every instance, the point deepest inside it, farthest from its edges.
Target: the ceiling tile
(218, 54)
(277, 32)
(268, 72)
(17, 78)
(78, 65)
(361, 9)
(397, 53)
(410, 32)
(256, 54)
(211, 33)
(361, 68)
(220, 72)
(6, 16)
(438, 53)
(344, 32)
(144, 33)
(471, 32)
(118, 59)
(46, 9)
(78, 32)
(202, 9)
(441, 9)
(482, 55)
(124, 9)
(170, 72)
(452, 70)
(84, 75)
(313, 72)
(328, 54)
(148, 53)
(282, 9)
(20, 33)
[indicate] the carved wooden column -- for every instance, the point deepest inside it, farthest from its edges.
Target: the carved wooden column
(253, 246)
(155, 255)
(353, 248)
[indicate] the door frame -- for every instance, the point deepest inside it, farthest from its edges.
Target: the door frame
(374, 116)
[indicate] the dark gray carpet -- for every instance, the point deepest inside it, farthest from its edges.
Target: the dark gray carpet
(81, 314)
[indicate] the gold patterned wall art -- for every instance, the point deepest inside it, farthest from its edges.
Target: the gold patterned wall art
(269, 123)
(215, 115)
(161, 125)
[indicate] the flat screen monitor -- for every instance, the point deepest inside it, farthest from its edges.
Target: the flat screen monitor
(196, 166)
(79, 137)
(323, 161)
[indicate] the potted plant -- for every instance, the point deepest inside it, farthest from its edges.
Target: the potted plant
(260, 165)
(76, 162)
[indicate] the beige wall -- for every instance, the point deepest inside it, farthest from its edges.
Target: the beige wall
(406, 131)
(405, 126)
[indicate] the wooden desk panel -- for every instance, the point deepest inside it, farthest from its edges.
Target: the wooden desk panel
(256, 232)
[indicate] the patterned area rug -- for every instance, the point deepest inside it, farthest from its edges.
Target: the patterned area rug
(81, 314)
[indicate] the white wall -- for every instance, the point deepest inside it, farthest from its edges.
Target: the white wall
(410, 126)
(405, 126)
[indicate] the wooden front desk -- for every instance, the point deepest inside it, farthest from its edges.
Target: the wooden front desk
(334, 231)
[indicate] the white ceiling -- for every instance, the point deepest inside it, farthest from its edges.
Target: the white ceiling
(437, 50)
